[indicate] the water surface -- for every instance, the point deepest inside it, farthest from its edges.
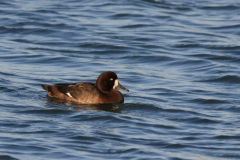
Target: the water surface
(179, 59)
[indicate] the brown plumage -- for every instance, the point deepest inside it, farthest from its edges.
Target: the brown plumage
(103, 91)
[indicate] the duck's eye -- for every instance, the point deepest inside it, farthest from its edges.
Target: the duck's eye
(111, 79)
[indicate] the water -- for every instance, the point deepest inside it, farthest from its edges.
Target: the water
(179, 59)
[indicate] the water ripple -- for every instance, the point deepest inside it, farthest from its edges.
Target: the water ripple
(179, 59)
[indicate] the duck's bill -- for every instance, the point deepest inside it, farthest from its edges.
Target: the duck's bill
(120, 87)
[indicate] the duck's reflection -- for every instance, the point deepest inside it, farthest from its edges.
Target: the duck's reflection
(77, 107)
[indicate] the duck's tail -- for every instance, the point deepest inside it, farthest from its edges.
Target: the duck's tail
(45, 87)
(52, 91)
(49, 90)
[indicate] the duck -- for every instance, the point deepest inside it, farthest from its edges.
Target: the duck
(104, 91)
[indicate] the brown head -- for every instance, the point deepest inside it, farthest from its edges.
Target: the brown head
(108, 81)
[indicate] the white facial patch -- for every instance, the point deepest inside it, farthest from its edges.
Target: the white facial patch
(115, 83)
(69, 95)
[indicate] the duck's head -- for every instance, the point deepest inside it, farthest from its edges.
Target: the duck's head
(108, 81)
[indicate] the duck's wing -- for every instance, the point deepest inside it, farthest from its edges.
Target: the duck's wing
(62, 87)
(74, 90)
(78, 90)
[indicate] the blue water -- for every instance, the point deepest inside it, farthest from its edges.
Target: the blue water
(179, 59)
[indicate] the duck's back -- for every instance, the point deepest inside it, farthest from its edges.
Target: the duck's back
(82, 92)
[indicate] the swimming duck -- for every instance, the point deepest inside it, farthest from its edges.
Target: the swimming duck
(102, 92)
